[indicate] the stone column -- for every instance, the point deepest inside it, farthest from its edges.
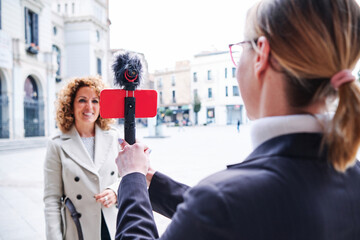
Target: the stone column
(50, 93)
(17, 94)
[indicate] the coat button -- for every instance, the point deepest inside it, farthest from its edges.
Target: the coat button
(112, 173)
(79, 197)
(76, 179)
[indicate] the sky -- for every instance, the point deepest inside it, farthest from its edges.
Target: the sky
(167, 31)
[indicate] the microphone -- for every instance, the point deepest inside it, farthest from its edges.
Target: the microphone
(128, 73)
(120, 103)
(128, 70)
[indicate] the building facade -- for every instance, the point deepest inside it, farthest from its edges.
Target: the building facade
(209, 79)
(173, 86)
(43, 43)
(80, 31)
(213, 83)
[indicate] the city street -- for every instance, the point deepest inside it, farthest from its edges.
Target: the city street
(187, 155)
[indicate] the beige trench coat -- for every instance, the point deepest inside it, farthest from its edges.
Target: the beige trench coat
(69, 170)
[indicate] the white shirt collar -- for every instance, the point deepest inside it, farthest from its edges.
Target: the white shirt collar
(269, 127)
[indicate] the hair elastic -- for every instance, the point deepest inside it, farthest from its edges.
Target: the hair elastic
(341, 77)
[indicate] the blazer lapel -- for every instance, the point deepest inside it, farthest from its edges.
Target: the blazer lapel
(103, 145)
(74, 147)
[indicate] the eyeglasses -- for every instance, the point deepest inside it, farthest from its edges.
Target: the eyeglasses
(236, 49)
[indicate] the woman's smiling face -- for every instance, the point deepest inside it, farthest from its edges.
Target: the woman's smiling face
(86, 106)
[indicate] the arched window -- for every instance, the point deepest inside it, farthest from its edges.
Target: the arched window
(33, 109)
(30, 89)
(57, 52)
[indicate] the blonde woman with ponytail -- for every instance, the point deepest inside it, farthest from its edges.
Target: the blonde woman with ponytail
(302, 181)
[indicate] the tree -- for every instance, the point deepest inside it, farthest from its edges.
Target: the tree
(196, 107)
(168, 112)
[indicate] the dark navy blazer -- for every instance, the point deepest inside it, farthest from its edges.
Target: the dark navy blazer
(285, 189)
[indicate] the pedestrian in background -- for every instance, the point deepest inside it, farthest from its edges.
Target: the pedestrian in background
(80, 165)
(238, 126)
(181, 125)
(302, 179)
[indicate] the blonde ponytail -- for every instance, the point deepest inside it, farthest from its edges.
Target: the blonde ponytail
(343, 136)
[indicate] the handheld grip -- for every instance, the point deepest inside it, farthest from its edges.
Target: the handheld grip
(129, 115)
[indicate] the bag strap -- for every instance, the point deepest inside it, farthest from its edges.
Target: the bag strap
(74, 215)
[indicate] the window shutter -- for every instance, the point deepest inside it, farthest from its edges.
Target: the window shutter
(99, 66)
(35, 29)
(0, 14)
(26, 16)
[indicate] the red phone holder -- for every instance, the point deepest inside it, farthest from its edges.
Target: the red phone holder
(112, 103)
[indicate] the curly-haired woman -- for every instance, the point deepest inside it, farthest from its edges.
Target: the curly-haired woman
(80, 165)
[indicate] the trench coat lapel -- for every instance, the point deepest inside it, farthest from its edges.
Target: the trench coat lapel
(103, 145)
(74, 147)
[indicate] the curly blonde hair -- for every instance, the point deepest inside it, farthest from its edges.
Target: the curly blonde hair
(65, 103)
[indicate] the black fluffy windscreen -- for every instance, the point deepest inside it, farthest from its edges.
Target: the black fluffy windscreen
(127, 69)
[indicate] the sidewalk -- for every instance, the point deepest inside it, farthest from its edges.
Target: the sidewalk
(21, 191)
(187, 156)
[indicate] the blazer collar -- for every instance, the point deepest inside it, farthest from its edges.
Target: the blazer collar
(266, 128)
(74, 147)
(296, 145)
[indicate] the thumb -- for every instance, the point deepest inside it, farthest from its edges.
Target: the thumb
(100, 195)
(122, 143)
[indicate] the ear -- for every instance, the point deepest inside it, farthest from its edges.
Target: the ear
(262, 57)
